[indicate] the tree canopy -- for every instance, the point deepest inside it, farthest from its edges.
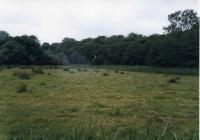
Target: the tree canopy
(181, 21)
(179, 47)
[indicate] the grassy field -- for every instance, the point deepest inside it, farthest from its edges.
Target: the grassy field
(102, 102)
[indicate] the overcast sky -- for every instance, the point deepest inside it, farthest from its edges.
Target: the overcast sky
(52, 20)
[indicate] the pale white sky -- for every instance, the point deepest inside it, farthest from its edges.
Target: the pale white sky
(52, 20)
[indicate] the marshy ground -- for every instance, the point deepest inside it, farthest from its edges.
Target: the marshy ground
(114, 99)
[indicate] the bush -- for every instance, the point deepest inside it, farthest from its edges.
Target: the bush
(37, 71)
(22, 75)
(21, 88)
(96, 70)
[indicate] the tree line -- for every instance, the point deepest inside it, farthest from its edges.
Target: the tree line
(177, 47)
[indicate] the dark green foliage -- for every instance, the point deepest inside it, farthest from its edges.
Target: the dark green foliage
(3, 36)
(182, 21)
(178, 48)
(24, 50)
(21, 88)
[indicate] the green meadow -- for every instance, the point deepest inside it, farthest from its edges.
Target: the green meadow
(98, 103)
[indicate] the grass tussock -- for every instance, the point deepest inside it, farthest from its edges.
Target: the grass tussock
(105, 74)
(96, 70)
(71, 71)
(93, 132)
(42, 83)
(121, 72)
(22, 88)
(37, 71)
(66, 69)
(174, 80)
(24, 75)
(85, 70)
(49, 73)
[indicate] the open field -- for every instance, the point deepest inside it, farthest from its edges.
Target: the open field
(99, 102)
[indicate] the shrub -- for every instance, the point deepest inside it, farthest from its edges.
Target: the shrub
(22, 75)
(96, 70)
(116, 71)
(37, 71)
(21, 88)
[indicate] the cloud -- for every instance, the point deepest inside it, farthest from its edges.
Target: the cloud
(52, 20)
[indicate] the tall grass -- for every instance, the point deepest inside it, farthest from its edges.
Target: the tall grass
(92, 132)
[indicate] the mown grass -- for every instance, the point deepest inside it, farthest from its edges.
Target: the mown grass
(84, 104)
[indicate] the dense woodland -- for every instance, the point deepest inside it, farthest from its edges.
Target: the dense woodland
(177, 47)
